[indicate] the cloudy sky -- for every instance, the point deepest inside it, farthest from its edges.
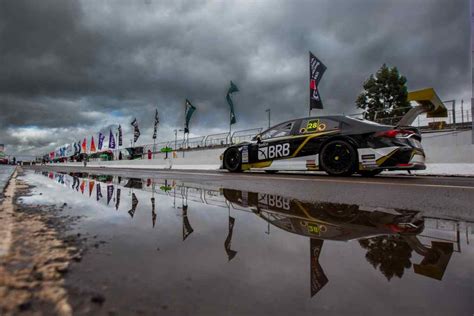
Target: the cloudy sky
(70, 69)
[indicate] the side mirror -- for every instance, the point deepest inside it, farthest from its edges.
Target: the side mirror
(257, 138)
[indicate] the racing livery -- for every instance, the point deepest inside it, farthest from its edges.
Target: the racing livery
(339, 145)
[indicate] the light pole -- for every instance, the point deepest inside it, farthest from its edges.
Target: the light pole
(269, 113)
(176, 137)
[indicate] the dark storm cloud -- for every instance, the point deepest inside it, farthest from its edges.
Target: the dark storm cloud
(74, 63)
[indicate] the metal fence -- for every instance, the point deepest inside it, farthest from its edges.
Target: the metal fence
(458, 117)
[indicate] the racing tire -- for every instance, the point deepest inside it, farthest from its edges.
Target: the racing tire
(338, 158)
(271, 171)
(232, 160)
(369, 173)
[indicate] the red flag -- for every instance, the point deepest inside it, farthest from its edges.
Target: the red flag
(92, 145)
(84, 145)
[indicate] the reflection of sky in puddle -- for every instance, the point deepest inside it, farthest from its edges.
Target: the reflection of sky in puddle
(254, 261)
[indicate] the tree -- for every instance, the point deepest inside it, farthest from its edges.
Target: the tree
(385, 96)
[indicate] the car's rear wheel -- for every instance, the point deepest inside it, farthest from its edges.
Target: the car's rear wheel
(232, 160)
(369, 173)
(338, 158)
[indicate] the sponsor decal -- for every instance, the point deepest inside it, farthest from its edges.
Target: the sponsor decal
(273, 151)
(270, 200)
(245, 154)
(364, 157)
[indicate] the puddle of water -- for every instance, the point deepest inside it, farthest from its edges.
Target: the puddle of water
(187, 248)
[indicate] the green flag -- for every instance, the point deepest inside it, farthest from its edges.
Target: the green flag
(233, 88)
(189, 112)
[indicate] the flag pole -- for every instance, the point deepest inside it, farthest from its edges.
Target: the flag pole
(230, 126)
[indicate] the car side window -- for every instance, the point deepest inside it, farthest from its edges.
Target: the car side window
(314, 125)
(279, 131)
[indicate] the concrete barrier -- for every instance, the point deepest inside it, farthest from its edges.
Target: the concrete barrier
(206, 159)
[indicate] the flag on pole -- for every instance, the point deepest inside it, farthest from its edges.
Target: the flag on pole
(101, 141)
(119, 135)
(157, 120)
(233, 88)
(111, 140)
(316, 71)
(92, 149)
(134, 205)
(189, 110)
(136, 131)
(84, 145)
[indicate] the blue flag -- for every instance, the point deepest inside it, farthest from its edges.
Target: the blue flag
(101, 141)
(111, 140)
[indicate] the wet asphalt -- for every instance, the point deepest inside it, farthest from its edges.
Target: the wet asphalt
(213, 243)
(5, 174)
(450, 197)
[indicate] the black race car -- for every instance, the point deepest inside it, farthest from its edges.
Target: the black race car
(339, 145)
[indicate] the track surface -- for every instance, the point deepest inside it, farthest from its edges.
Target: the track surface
(450, 197)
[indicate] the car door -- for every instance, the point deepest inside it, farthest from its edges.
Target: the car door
(275, 143)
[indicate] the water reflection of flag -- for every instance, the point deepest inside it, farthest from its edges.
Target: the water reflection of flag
(117, 202)
(83, 184)
(99, 192)
(228, 241)
(318, 278)
(75, 183)
(153, 213)
(91, 187)
(110, 193)
(187, 229)
(134, 205)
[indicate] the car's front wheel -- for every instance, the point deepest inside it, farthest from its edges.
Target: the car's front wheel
(232, 160)
(338, 158)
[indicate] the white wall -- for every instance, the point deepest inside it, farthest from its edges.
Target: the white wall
(448, 147)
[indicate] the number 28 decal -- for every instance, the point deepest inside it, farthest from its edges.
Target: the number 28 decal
(315, 125)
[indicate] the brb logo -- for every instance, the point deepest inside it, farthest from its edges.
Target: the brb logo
(273, 151)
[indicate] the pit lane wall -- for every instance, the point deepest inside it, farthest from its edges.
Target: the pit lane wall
(449, 147)
(207, 159)
(440, 148)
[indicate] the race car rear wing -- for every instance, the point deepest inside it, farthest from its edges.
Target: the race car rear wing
(428, 102)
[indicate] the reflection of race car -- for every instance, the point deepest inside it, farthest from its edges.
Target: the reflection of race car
(322, 220)
(339, 145)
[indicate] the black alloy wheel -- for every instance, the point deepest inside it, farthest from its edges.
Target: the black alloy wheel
(338, 158)
(232, 160)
